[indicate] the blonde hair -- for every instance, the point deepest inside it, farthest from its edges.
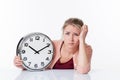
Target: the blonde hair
(73, 21)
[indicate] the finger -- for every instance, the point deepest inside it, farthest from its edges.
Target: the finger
(17, 57)
(20, 66)
(18, 60)
(85, 28)
(18, 63)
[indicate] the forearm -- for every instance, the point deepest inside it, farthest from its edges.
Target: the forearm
(82, 56)
(85, 52)
(83, 61)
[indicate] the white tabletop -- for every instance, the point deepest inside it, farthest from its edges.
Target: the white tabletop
(59, 75)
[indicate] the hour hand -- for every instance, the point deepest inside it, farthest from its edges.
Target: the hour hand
(33, 49)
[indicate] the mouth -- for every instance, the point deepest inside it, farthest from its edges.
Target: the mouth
(70, 43)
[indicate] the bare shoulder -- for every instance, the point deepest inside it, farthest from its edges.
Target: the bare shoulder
(57, 45)
(56, 41)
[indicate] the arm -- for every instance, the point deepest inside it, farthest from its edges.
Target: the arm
(85, 52)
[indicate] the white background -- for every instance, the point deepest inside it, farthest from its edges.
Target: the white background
(20, 17)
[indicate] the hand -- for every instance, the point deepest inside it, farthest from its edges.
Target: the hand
(44, 47)
(83, 33)
(33, 49)
(18, 62)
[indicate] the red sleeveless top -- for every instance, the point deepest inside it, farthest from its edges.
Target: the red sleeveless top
(66, 65)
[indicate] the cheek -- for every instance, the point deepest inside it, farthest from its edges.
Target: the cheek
(76, 39)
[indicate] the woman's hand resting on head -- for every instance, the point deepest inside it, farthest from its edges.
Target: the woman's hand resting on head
(83, 33)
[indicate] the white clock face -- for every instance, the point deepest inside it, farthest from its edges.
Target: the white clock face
(36, 51)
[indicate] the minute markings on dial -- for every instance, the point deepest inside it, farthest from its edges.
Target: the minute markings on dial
(31, 40)
(44, 39)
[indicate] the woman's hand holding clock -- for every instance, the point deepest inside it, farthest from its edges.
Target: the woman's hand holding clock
(18, 62)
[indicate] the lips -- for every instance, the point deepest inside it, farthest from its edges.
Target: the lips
(71, 43)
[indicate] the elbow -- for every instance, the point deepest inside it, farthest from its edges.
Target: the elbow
(83, 70)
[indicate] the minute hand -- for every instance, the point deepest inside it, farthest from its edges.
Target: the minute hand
(44, 47)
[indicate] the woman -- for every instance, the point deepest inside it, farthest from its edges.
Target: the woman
(71, 52)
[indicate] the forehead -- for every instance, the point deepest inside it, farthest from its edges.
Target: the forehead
(72, 28)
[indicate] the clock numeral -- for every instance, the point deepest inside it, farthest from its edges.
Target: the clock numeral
(48, 44)
(42, 64)
(31, 39)
(37, 38)
(26, 44)
(25, 59)
(47, 59)
(23, 51)
(29, 63)
(44, 39)
(36, 65)
(49, 51)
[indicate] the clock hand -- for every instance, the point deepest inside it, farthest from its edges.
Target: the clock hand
(33, 49)
(44, 47)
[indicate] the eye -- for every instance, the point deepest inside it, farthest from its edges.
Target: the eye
(67, 33)
(76, 34)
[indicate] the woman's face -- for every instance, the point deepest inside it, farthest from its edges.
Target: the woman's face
(71, 36)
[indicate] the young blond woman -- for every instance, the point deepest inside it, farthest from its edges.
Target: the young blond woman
(71, 52)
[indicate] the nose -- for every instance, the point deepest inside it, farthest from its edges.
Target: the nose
(71, 37)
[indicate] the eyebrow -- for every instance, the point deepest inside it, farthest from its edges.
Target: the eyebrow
(70, 32)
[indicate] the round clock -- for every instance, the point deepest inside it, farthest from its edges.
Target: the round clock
(36, 51)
